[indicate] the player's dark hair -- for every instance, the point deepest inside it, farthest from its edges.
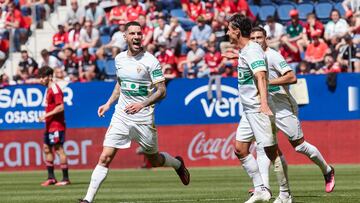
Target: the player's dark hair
(258, 29)
(132, 23)
(242, 23)
(45, 71)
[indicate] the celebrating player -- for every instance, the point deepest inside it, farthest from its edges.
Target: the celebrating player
(54, 136)
(280, 76)
(138, 73)
(258, 120)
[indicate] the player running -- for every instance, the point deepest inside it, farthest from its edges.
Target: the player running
(54, 136)
(280, 76)
(258, 120)
(138, 73)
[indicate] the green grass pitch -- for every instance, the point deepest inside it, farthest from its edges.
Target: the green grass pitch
(225, 184)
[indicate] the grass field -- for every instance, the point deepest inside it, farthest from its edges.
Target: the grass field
(228, 184)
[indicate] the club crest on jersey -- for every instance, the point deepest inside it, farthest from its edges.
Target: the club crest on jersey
(139, 69)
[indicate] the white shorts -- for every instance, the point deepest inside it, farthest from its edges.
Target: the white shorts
(258, 126)
(120, 134)
(290, 126)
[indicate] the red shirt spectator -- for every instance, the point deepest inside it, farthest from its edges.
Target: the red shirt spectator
(289, 50)
(222, 6)
(54, 97)
(243, 7)
(116, 13)
(196, 8)
(14, 16)
(60, 39)
(313, 25)
(134, 10)
(213, 61)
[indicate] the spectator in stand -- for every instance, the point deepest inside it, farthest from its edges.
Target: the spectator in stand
(212, 68)
(219, 34)
(4, 80)
(87, 66)
(27, 68)
(200, 32)
(177, 35)
(222, 6)
(290, 51)
(331, 66)
(74, 37)
(71, 65)
(354, 26)
(95, 14)
(75, 14)
(295, 28)
(162, 32)
(242, 7)
(316, 51)
(59, 40)
(194, 60)
(89, 37)
(274, 31)
(312, 25)
(15, 21)
(49, 60)
(349, 55)
(336, 28)
(146, 30)
(117, 16)
(303, 68)
(352, 5)
(195, 9)
(42, 10)
(134, 10)
(167, 61)
(2, 22)
(116, 45)
(4, 51)
(209, 13)
(153, 7)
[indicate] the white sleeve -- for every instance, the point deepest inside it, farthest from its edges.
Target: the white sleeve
(156, 73)
(279, 63)
(256, 61)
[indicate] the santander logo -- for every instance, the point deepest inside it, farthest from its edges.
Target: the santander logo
(230, 106)
(202, 147)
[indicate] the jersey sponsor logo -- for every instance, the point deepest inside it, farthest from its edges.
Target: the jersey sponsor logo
(244, 77)
(202, 147)
(133, 88)
(230, 106)
(257, 64)
(283, 64)
(157, 73)
(138, 69)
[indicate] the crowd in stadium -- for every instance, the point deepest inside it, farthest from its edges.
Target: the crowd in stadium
(187, 36)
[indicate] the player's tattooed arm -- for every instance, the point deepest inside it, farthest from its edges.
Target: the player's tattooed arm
(157, 96)
(114, 97)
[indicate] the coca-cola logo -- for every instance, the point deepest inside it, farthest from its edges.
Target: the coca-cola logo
(202, 147)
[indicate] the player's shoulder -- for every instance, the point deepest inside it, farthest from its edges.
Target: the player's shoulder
(252, 48)
(149, 56)
(120, 55)
(272, 52)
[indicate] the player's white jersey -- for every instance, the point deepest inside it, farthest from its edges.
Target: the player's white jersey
(285, 104)
(136, 76)
(251, 60)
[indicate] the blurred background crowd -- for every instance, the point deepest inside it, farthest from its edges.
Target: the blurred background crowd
(187, 36)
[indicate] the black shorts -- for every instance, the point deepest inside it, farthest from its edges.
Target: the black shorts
(53, 138)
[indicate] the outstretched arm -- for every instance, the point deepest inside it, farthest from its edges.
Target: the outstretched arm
(157, 96)
(114, 96)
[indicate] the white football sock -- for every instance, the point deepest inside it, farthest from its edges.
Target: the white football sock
(252, 169)
(97, 177)
(264, 165)
(314, 154)
(170, 161)
(280, 169)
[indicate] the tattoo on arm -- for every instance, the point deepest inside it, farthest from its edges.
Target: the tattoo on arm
(115, 94)
(158, 95)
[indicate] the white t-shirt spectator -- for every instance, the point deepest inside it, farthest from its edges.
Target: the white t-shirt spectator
(75, 16)
(52, 63)
(198, 53)
(336, 29)
(276, 32)
(119, 39)
(159, 34)
(85, 37)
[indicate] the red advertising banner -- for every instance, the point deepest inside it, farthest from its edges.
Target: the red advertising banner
(199, 145)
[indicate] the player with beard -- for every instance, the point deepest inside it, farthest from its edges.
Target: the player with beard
(138, 74)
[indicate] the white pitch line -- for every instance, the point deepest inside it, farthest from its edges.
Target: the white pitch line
(186, 200)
